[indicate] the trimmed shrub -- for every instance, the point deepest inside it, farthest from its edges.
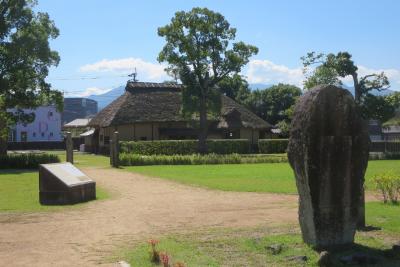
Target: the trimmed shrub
(388, 184)
(127, 159)
(272, 146)
(26, 161)
(184, 147)
(383, 155)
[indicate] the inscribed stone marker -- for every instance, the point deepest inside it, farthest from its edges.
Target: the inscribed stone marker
(328, 151)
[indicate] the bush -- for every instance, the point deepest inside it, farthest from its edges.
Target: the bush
(26, 161)
(127, 159)
(383, 155)
(272, 146)
(389, 185)
(184, 147)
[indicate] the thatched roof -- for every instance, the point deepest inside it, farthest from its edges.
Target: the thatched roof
(162, 102)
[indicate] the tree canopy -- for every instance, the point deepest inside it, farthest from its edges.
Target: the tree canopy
(274, 104)
(331, 68)
(200, 50)
(25, 58)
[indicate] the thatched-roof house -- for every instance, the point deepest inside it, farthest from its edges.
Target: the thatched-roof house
(152, 111)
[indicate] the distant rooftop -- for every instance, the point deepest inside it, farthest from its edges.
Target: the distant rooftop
(78, 123)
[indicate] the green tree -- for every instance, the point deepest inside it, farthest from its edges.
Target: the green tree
(280, 99)
(394, 99)
(25, 58)
(235, 87)
(200, 50)
(274, 104)
(377, 107)
(331, 67)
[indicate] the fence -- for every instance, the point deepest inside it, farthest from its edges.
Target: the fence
(385, 146)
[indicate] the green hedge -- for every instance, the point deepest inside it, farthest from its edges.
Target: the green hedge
(26, 161)
(184, 147)
(272, 146)
(382, 155)
(127, 159)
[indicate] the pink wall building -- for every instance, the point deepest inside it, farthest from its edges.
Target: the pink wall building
(45, 127)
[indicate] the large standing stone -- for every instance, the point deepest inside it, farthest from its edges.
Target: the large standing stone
(328, 151)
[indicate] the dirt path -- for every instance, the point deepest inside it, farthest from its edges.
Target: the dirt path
(139, 208)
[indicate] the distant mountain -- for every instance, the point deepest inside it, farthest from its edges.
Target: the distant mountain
(261, 86)
(374, 92)
(104, 99)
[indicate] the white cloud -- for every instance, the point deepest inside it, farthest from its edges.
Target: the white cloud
(257, 71)
(89, 91)
(147, 71)
(267, 72)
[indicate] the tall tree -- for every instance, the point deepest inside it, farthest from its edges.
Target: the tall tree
(331, 67)
(199, 48)
(25, 58)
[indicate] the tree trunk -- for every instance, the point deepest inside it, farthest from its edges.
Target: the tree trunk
(357, 89)
(203, 127)
(3, 132)
(361, 209)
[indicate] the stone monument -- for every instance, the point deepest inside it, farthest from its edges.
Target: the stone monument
(328, 151)
(63, 183)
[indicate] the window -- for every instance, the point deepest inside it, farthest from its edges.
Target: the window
(50, 113)
(12, 136)
(84, 102)
(106, 140)
(232, 135)
(143, 138)
(51, 134)
(42, 134)
(24, 136)
(34, 134)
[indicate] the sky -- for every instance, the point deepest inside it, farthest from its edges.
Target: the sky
(101, 41)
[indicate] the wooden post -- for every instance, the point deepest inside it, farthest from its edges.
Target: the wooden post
(69, 148)
(111, 147)
(116, 150)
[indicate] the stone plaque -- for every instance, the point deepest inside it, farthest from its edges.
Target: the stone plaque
(63, 183)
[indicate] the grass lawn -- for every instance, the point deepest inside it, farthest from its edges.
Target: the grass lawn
(19, 191)
(84, 159)
(248, 247)
(264, 177)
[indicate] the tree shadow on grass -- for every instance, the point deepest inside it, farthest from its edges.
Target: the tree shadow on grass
(17, 171)
(361, 255)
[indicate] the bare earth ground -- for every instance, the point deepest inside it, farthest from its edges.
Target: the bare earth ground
(139, 208)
